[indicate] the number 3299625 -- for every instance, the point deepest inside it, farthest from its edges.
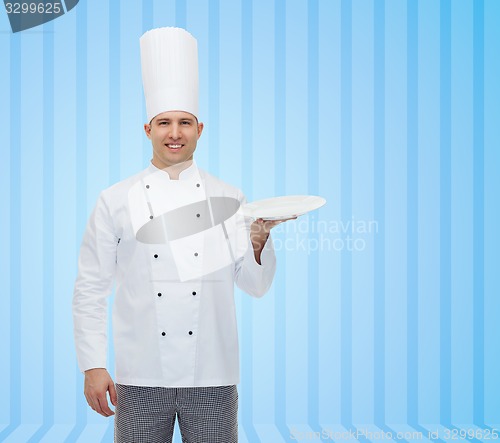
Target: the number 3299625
(33, 8)
(475, 433)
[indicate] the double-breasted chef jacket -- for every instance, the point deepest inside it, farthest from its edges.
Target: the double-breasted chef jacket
(174, 319)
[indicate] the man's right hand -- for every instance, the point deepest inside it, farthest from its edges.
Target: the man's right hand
(97, 383)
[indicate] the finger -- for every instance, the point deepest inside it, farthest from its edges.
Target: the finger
(97, 406)
(112, 393)
(272, 223)
(104, 407)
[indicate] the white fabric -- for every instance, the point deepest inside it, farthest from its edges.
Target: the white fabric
(216, 246)
(143, 356)
(169, 59)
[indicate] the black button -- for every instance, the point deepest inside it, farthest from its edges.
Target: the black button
(151, 217)
(196, 254)
(159, 294)
(164, 333)
(197, 185)
(147, 186)
(155, 256)
(194, 292)
(197, 215)
(190, 332)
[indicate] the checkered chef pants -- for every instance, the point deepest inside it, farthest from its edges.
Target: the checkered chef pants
(205, 414)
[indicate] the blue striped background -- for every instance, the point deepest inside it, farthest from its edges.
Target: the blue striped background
(387, 108)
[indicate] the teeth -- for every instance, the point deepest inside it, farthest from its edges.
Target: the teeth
(174, 146)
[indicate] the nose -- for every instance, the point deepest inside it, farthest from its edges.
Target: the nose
(175, 131)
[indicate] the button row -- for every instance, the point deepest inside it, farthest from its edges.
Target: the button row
(197, 185)
(160, 294)
(156, 255)
(164, 333)
(151, 216)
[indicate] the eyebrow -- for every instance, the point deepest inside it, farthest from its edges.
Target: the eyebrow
(183, 119)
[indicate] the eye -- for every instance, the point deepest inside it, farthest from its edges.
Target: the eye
(162, 123)
(185, 122)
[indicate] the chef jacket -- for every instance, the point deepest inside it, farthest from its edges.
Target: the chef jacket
(174, 319)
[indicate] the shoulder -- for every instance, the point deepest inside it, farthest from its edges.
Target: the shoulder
(119, 191)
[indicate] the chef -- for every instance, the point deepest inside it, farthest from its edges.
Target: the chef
(172, 240)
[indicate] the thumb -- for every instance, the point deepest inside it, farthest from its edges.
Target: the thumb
(112, 393)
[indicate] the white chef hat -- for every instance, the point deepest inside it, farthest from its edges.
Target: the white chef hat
(169, 59)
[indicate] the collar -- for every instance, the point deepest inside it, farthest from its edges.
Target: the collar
(187, 174)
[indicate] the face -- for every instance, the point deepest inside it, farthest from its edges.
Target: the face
(174, 135)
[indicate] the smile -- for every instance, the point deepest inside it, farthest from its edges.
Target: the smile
(174, 146)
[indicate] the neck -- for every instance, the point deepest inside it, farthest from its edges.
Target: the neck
(174, 170)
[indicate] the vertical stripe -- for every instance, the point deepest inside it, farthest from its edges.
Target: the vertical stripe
(180, 13)
(48, 233)
(81, 183)
(428, 183)
(396, 247)
(296, 181)
(362, 197)
(15, 237)
(5, 198)
(462, 214)
(280, 114)
(213, 85)
(48, 225)
(247, 183)
(329, 187)
(412, 210)
(346, 186)
(379, 203)
(114, 92)
(478, 192)
(147, 15)
(147, 24)
(131, 99)
(313, 189)
(445, 213)
(491, 210)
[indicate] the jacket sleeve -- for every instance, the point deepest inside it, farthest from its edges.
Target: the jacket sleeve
(251, 277)
(94, 283)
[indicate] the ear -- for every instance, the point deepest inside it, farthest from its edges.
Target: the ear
(147, 130)
(200, 129)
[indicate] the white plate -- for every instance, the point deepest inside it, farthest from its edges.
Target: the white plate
(279, 208)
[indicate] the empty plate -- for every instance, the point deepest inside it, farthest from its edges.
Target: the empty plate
(279, 208)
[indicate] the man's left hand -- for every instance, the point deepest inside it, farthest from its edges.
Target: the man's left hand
(259, 232)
